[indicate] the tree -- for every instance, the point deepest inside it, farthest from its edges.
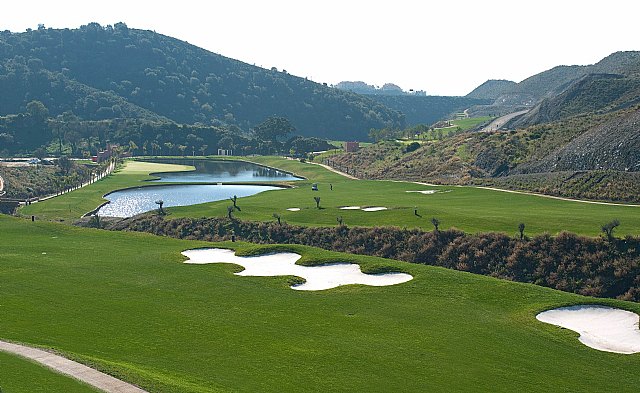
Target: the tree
(40, 153)
(277, 217)
(65, 164)
(317, 199)
(521, 230)
(229, 212)
(38, 110)
(272, 128)
(609, 227)
(436, 224)
(160, 202)
(235, 200)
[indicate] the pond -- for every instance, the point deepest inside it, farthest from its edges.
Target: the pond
(208, 171)
(129, 202)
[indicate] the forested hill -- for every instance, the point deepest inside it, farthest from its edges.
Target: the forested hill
(102, 72)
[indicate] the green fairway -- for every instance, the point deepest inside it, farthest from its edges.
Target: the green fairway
(18, 375)
(468, 208)
(125, 303)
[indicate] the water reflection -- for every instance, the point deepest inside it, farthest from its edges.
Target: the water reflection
(127, 203)
(222, 171)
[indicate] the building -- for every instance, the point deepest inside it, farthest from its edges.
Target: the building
(225, 152)
(351, 146)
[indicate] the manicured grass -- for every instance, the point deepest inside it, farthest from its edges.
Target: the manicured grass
(71, 206)
(470, 122)
(18, 375)
(467, 208)
(125, 303)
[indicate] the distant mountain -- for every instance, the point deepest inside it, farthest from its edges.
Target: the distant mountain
(556, 81)
(388, 89)
(427, 109)
(113, 71)
(492, 89)
(598, 93)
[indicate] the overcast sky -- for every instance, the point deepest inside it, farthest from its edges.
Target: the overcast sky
(445, 47)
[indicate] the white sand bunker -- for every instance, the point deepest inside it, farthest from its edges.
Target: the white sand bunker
(294, 209)
(350, 208)
(284, 264)
(425, 192)
(374, 209)
(602, 328)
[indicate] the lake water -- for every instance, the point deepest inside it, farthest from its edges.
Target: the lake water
(223, 172)
(127, 203)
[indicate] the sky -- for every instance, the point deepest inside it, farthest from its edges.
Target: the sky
(445, 47)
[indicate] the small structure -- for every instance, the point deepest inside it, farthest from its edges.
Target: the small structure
(225, 152)
(106, 154)
(351, 146)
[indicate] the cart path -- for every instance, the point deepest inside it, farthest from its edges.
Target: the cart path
(334, 170)
(62, 365)
(555, 197)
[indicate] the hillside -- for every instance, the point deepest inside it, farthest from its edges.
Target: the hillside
(591, 93)
(427, 109)
(492, 89)
(172, 79)
(595, 156)
(555, 81)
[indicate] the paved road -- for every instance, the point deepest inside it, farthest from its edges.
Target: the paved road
(502, 120)
(95, 378)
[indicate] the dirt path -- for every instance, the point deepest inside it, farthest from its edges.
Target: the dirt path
(502, 120)
(335, 170)
(73, 369)
(556, 197)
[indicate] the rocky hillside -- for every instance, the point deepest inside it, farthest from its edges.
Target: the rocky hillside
(556, 81)
(113, 71)
(598, 93)
(613, 145)
(608, 144)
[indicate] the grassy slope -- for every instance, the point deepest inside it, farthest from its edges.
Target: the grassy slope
(125, 302)
(466, 208)
(13, 378)
(73, 205)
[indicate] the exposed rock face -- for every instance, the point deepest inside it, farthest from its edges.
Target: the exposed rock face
(612, 145)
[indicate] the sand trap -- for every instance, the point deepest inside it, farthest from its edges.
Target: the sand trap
(602, 328)
(284, 264)
(350, 208)
(425, 192)
(294, 209)
(374, 209)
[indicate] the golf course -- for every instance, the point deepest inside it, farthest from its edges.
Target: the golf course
(126, 304)
(470, 209)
